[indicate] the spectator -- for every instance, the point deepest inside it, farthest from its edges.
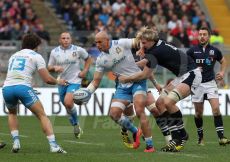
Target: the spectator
(42, 33)
(216, 39)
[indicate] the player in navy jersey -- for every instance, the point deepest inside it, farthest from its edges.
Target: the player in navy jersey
(158, 52)
(65, 60)
(205, 56)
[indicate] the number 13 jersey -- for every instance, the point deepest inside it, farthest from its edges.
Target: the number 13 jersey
(21, 67)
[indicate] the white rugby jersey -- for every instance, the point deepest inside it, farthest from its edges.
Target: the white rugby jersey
(69, 59)
(21, 67)
(119, 59)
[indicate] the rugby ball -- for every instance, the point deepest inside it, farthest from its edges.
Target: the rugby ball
(81, 96)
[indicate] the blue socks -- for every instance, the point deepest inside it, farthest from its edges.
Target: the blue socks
(126, 123)
(73, 116)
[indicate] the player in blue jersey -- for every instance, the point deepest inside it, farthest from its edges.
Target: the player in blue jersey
(65, 60)
(17, 87)
(158, 52)
(116, 56)
(205, 56)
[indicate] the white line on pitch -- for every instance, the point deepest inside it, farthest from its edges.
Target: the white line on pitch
(182, 154)
(85, 143)
(7, 134)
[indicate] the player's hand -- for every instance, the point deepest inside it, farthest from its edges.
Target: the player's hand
(159, 88)
(62, 82)
(141, 52)
(82, 74)
(58, 69)
(123, 79)
(219, 75)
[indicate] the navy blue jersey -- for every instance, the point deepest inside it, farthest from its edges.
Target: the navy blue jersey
(169, 57)
(205, 58)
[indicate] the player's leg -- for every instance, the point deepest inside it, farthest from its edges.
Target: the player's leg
(139, 104)
(198, 102)
(176, 124)
(164, 116)
(13, 125)
(139, 99)
(198, 118)
(46, 125)
(128, 112)
(11, 102)
(66, 95)
(29, 98)
(218, 121)
(116, 110)
(151, 106)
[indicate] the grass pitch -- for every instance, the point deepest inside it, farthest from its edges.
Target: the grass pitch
(101, 142)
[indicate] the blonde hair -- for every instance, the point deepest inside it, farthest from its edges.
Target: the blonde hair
(148, 34)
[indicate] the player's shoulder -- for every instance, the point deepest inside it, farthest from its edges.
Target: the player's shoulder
(56, 49)
(122, 42)
(100, 57)
(214, 48)
(27, 52)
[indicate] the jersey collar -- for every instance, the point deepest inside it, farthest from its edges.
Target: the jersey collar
(66, 48)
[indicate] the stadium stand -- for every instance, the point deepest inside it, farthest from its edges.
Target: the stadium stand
(221, 18)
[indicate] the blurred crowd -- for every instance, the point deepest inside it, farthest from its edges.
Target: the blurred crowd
(17, 18)
(176, 20)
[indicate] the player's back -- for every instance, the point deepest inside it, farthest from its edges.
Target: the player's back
(170, 57)
(21, 67)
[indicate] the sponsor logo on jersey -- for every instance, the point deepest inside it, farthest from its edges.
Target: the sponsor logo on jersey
(74, 54)
(211, 52)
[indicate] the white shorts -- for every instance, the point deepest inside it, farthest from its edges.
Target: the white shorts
(192, 78)
(208, 88)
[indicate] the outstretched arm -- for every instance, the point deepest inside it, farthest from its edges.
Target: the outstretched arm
(142, 63)
(156, 85)
(46, 77)
(136, 77)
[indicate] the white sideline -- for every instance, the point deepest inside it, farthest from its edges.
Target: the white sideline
(85, 143)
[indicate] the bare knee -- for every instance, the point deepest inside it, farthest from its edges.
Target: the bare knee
(160, 103)
(68, 105)
(216, 111)
(114, 114)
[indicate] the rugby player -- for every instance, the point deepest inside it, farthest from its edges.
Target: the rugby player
(65, 60)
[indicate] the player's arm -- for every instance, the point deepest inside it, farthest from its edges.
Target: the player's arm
(156, 85)
(55, 68)
(95, 82)
(52, 67)
(136, 77)
(47, 78)
(223, 65)
(142, 63)
(85, 70)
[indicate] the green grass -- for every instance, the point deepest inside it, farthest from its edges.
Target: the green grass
(102, 142)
